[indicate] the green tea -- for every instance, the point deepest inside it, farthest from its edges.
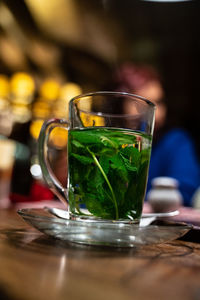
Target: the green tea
(108, 171)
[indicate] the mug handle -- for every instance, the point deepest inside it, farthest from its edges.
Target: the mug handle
(50, 178)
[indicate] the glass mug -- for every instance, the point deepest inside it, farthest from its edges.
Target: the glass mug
(109, 148)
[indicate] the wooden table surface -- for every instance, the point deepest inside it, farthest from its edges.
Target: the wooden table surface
(34, 266)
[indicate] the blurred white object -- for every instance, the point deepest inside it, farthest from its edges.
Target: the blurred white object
(7, 153)
(164, 195)
(196, 199)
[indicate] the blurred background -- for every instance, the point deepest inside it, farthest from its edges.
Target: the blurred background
(53, 50)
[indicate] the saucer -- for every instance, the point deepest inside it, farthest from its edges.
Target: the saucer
(103, 234)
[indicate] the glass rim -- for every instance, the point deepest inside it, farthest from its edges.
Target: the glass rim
(100, 114)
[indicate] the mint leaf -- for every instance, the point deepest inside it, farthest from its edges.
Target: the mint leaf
(83, 159)
(108, 170)
(105, 163)
(108, 142)
(128, 164)
(77, 144)
(86, 136)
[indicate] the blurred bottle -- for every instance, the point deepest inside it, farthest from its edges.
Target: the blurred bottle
(7, 153)
(196, 199)
(22, 93)
(6, 119)
(164, 195)
(22, 88)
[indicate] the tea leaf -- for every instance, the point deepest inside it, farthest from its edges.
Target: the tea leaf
(83, 159)
(128, 164)
(108, 142)
(97, 208)
(107, 181)
(77, 144)
(107, 172)
(86, 136)
(105, 163)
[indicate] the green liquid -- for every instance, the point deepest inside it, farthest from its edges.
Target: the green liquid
(108, 171)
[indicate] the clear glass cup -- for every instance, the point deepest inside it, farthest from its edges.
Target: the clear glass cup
(109, 148)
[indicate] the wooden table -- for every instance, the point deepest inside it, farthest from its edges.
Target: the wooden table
(34, 266)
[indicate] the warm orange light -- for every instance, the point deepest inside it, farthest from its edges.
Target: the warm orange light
(35, 128)
(59, 137)
(21, 113)
(69, 91)
(90, 120)
(41, 109)
(22, 84)
(60, 110)
(50, 89)
(4, 104)
(4, 86)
